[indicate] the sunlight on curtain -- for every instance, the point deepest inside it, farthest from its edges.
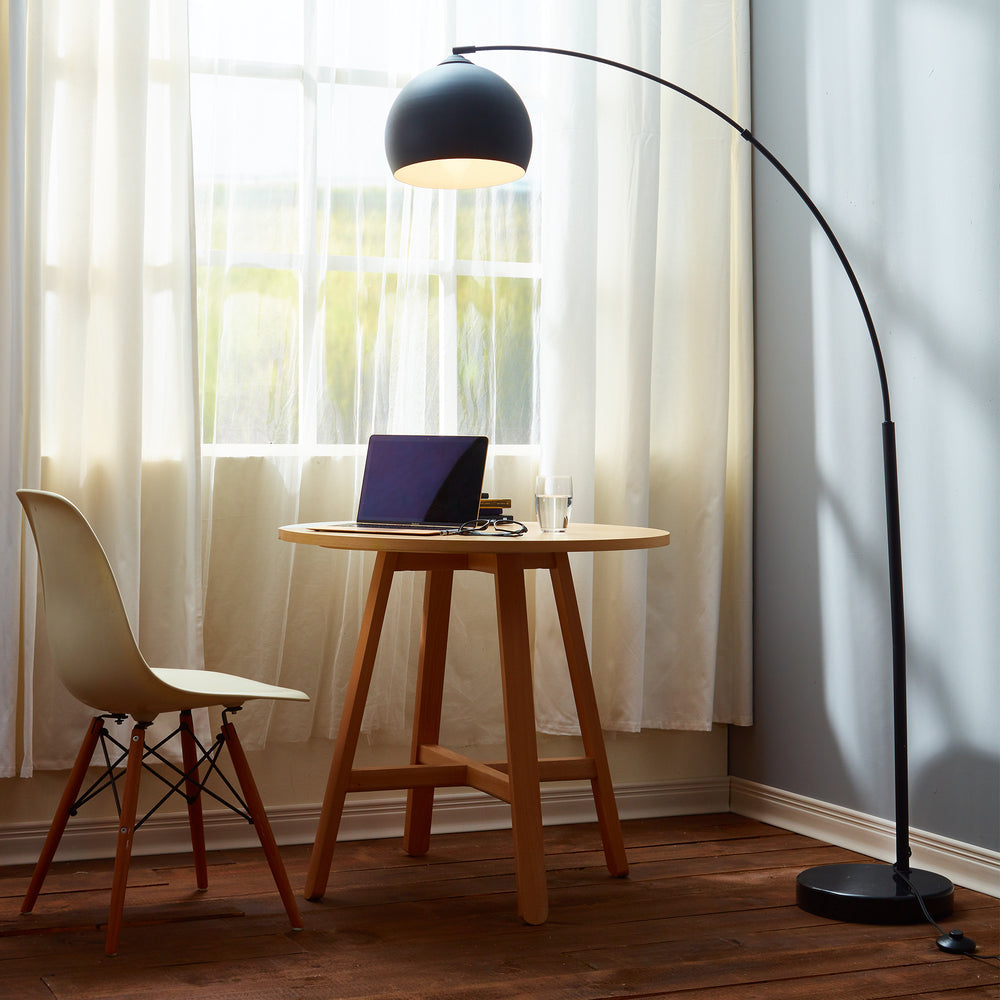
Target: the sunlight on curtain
(609, 337)
(646, 365)
(107, 335)
(12, 97)
(335, 303)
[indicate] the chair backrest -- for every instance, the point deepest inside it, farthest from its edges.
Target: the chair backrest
(90, 639)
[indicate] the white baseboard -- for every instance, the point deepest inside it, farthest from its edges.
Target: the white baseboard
(965, 864)
(364, 819)
(457, 811)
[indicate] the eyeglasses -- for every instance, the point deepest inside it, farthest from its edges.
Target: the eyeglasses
(500, 526)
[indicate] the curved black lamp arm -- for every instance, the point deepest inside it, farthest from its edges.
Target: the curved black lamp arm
(898, 630)
(745, 133)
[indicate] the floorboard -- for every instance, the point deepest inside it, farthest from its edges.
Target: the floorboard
(707, 913)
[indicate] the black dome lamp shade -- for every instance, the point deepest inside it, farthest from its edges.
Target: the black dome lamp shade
(458, 125)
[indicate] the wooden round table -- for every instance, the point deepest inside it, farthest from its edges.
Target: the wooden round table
(515, 780)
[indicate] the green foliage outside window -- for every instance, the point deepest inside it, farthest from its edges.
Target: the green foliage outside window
(250, 320)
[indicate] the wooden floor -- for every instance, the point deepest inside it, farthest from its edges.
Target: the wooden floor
(707, 912)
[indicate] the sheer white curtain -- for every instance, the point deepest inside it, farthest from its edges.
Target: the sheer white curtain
(334, 303)
(607, 335)
(646, 366)
(99, 344)
(595, 319)
(12, 98)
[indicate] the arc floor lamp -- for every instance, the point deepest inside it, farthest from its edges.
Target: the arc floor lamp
(459, 125)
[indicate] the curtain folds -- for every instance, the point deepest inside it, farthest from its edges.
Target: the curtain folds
(385, 309)
(12, 101)
(646, 372)
(593, 319)
(105, 332)
(642, 368)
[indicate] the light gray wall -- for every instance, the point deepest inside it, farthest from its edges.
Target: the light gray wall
(888, 113)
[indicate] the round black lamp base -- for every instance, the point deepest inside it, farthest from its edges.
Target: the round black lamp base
(872, 894)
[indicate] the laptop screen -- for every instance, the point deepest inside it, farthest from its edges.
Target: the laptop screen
(422, 479)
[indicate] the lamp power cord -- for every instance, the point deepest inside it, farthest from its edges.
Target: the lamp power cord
(953, 941)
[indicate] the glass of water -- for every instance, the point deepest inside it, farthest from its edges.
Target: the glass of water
(553, 500)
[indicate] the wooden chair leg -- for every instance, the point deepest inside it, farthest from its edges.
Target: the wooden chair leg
(126, 831)
(427, 704)
(261, 824)
(344, 749)
(522, 745)
(192, 791)
(73, 785)
(587, 713)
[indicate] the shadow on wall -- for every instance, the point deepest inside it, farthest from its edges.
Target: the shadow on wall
(918, 208)
(945, 785)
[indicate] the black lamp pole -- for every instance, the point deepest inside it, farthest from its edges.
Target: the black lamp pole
(459, 111)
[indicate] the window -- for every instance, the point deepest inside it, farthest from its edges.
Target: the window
(326, 290)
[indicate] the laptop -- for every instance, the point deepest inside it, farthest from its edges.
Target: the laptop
(418, 484)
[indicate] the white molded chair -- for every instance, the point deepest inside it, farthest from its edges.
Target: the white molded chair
(96, 657)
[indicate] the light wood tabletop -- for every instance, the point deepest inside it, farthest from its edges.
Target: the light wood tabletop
(576, 538)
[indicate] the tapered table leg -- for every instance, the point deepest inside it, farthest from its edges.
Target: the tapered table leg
(427, 706)
(350, 726)
(586, 710)
(522, 746)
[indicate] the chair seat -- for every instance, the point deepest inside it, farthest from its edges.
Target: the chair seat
(205, 688)
(149, 692)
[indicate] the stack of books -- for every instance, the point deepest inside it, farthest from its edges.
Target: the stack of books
(491, 508)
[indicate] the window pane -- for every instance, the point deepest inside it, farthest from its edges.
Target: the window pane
(246, 29)
(496, 224)
(496, 358)
(331, 302)
(246, 136)
(351, 221)
(350, 134)
(383, 35)
(363, 360)
(248, 326)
